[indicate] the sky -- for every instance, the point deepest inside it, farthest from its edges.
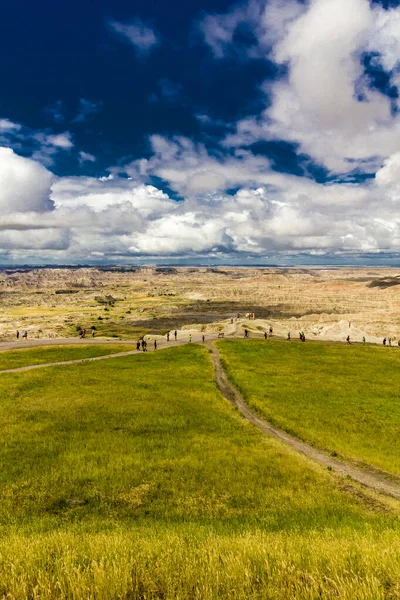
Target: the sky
(201, 132)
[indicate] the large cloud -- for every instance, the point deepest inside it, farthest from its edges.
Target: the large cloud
(326, 103)
(233, 202)
(121, 219)
(24, 184)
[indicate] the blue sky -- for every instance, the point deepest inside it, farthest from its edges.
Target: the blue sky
(265, 131)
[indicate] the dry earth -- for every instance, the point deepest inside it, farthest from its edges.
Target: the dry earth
(127, 302)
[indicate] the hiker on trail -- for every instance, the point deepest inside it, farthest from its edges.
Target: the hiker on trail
(288, 336)
(364, 340)
(25, 335)
(390, 341)
(246, 333)
(398, 343)
(138, 345)
(93, 331)
(265, 335)
(190, 337)
(270, 330)
(175, 335)
(155, 344)
(17, 334)
(203, 338)
(348, 339)
(302, 336)
(144, 345)
(384, 341)
(167, 336)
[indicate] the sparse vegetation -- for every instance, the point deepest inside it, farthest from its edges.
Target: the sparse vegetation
(294, 299)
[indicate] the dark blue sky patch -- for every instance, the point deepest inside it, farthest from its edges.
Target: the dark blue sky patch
(162, 185)
(378, 78)
(387, 4)
(355, 178)
(285, 158)
(54, 54)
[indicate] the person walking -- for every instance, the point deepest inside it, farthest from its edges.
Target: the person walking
(265, 335)
(288, 336)
(348, 339)
(364, 340)
(167, 336)
(384, 341)
(270, 330)
(155, 344)
(138, 345)
(93, 331)
(190, 338)
(203, 338)
(17, 334)
(175, 335)
(246, 333)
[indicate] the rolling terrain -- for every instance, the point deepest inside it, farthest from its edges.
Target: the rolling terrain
(125, 303)
(133, 477)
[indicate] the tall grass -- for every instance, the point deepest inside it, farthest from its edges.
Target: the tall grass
(135, 479)
(192, 565)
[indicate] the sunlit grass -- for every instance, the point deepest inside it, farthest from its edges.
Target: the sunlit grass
(134, 478)
(12, 359)
(338, 397)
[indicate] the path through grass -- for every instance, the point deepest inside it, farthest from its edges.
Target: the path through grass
(12, 359)
(134, 478)
(340, 398)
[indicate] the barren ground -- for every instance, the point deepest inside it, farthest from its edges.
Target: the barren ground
(127, 302)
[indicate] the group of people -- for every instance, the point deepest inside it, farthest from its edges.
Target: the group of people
(82, 333)
(24, 335)
(251, 316)
(175, 335)
(389, 342)
(142, 343)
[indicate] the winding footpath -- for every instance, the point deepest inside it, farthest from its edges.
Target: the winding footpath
(370, 478)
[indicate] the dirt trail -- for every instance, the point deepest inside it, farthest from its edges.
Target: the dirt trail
(372, 480)
(37, 343)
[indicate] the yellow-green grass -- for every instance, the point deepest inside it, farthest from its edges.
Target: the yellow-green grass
(340, 398)
(134, 478)
(24, 357)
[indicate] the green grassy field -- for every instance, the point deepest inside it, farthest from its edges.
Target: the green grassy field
(134, 478)
(12, 359)
(340, 398)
